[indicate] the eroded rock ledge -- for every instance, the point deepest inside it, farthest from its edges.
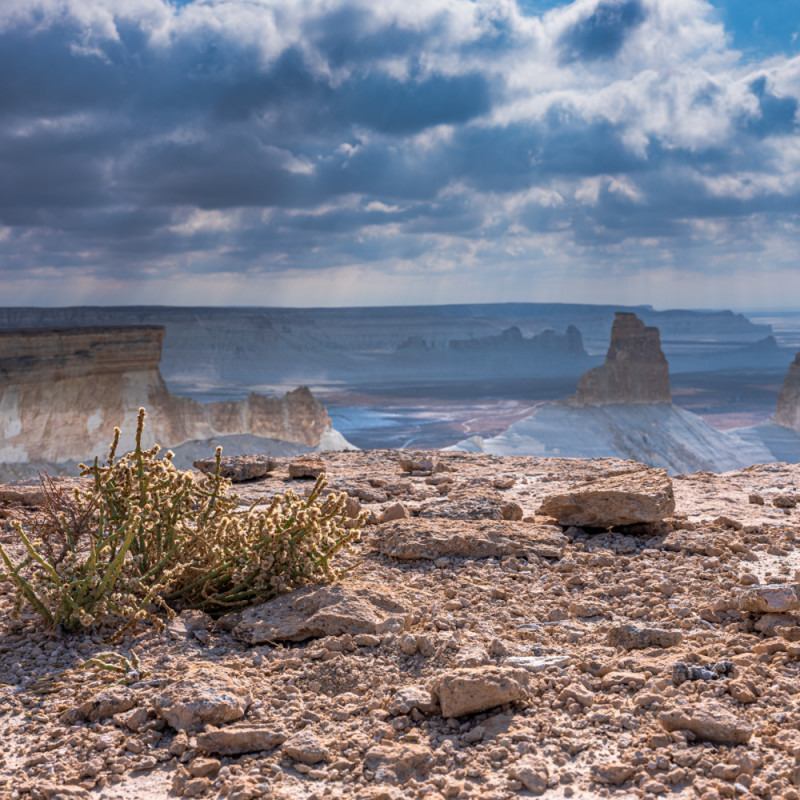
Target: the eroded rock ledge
(63, 390)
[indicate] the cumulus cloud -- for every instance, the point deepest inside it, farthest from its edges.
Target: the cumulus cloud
(466, 138)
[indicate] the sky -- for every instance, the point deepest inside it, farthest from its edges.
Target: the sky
(353, 152)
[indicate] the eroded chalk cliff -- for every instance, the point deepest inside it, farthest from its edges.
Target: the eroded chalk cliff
(787, 411)
(635, 369)
(63, 390)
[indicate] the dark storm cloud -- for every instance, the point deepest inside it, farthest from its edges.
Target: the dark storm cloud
(275, 135)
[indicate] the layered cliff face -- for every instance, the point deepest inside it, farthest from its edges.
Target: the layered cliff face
(787, 411)
(635, 370)
(63, 390)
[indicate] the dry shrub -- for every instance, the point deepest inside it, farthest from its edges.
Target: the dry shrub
(147, 536)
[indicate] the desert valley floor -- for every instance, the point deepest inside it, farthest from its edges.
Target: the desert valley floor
(473, 649)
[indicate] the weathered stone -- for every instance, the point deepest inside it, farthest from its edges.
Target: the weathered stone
(634, 637)
(773, 598)
(305, 747)
(398, 763)
(204, 696)
(234, 741)
(108, 702)
(784, 501)
(415, 464)
(711, 722)
(635, 369)
(204, 767)
(577, 692)
(614, 774)
(434, 539)
(468, 504)
(468, 691)
(316, 611)
(537, 663)
(393, 512)
(413, 697)
(238, 468)
(644, 496)
(532, 773)
(306, 468)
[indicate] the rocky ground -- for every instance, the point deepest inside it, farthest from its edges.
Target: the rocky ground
(495, 636)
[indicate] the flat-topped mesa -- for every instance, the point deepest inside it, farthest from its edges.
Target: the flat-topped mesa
(63, 390)
(635, 370)
(787, 411)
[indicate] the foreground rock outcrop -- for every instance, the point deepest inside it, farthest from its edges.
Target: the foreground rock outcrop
(787, 411)
(459, 657)
(62, 390)
(635, 370)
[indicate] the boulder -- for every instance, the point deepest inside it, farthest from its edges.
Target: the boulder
(772, 598)
(316, 611)
(238, 468)
(305, 747)
(467, 504)
(235, 741)
(468, 691)
(635, 637)
(203, 697)
(429, 540)
(398, 763)
(644, 496)
(306, 468)
(710, 722)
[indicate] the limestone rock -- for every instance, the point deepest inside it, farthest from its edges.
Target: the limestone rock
(413, 539)
(316, 611)
(532, 773)
(204, 696)
(787, 410)
(305, 747)
(238, 468)
(468, 504)
(108, 702)
(644, 496)
(398, 763)
(468, 691)
(614, 774)
(635, 370)
(710, 722)
(306, 468)
(634, 637)
(235, 741)
(393, 512)
(412, 697)
(772, 598)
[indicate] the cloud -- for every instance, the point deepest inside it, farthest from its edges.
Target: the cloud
(274, 137)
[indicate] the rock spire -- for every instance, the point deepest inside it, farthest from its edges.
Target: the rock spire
(787, 411)
(635, 370)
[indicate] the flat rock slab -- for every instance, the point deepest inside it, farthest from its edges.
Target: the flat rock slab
(644, 496)
(316, 611)
(238, 468)
(468, 504)
(468, 691)
(204, 696)
(235, 741)
(711, 722)
(773, 598)
(635, 637)
(415, 539)
(306, 468)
